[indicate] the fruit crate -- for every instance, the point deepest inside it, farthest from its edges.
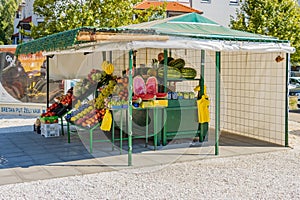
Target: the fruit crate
(50, 130)
(49, 120)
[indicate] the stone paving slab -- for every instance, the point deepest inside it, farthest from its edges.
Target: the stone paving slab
(35, 157)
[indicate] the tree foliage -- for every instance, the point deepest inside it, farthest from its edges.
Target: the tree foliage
(277, 18)
(61, 15)
(7, 14)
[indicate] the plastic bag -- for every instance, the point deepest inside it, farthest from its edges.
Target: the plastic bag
(106, 122)
(203, 111)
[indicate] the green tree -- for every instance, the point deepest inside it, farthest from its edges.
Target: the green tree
(277, 18)
(8, 9)
(61, 15)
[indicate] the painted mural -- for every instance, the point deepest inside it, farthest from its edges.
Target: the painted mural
(23, 79)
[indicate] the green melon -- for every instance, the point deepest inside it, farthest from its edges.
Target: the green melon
(177, 63)
(173, 73)
(188, 73)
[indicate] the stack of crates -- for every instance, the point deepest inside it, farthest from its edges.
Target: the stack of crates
(49, 126)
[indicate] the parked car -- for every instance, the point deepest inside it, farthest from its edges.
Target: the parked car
(295, 81)
(295, 92)
(294, 88)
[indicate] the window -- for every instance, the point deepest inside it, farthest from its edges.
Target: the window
(234, 2)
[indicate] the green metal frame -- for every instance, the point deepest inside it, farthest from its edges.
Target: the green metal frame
(217, 109)
(47, 80)
(130, 89)
(121, 130)
(287, 100)
(183, 134)
(202, 126)
(91, 132)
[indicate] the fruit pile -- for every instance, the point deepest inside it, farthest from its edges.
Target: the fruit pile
(121, 89)
(67, 99)
(176, 69)
(88, 85)
(91, 113)
(105, 92)
(62, 105)
(86, 115)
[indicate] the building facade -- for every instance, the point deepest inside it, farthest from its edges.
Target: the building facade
(218, 10)
(24, 16)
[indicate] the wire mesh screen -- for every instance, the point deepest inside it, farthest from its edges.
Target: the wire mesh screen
(252, 88)
(253, 95)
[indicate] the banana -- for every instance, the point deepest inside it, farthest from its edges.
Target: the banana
(197, 88)
(107, 67)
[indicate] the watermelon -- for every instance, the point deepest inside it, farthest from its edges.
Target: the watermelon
(173, 73)
(139, 86)
(152, 72)
(146, 97)
(161, 95)
(168, 60)
(151, 85)
(188, 73)
(142, 70)
(177, 63)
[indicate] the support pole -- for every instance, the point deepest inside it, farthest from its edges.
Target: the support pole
(48, 88)
(165, 83)
(202, 73)
(287, 100)
(217, 109)
(130, 108)
(202, 126)
(165, 69)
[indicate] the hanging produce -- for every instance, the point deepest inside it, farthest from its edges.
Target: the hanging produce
(107, 67)
(105, 92)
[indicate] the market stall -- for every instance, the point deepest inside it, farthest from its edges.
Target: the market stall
(228, 70)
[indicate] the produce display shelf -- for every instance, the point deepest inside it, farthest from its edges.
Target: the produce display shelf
(91, 138)
(87, 93)
(90, 130)
(157, 116)
(182, 79)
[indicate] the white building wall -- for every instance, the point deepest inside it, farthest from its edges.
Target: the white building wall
(218, 10)
(26, 10)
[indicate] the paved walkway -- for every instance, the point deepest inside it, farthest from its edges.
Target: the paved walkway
(28, 156)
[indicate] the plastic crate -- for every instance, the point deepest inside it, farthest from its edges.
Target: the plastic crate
(161, 103)
(50, 130)
(49, 120)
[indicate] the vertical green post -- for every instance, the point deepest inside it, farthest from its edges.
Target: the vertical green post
(48, 87)
(287, 99)
(62, 125)
(147, 126)
(130, 108)
(165, 69)
(202, 73)
(217, 109)
(203, 126)
(68, 131)
(91, 141)
(113, 131)
(121, 131)
(164, 134)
